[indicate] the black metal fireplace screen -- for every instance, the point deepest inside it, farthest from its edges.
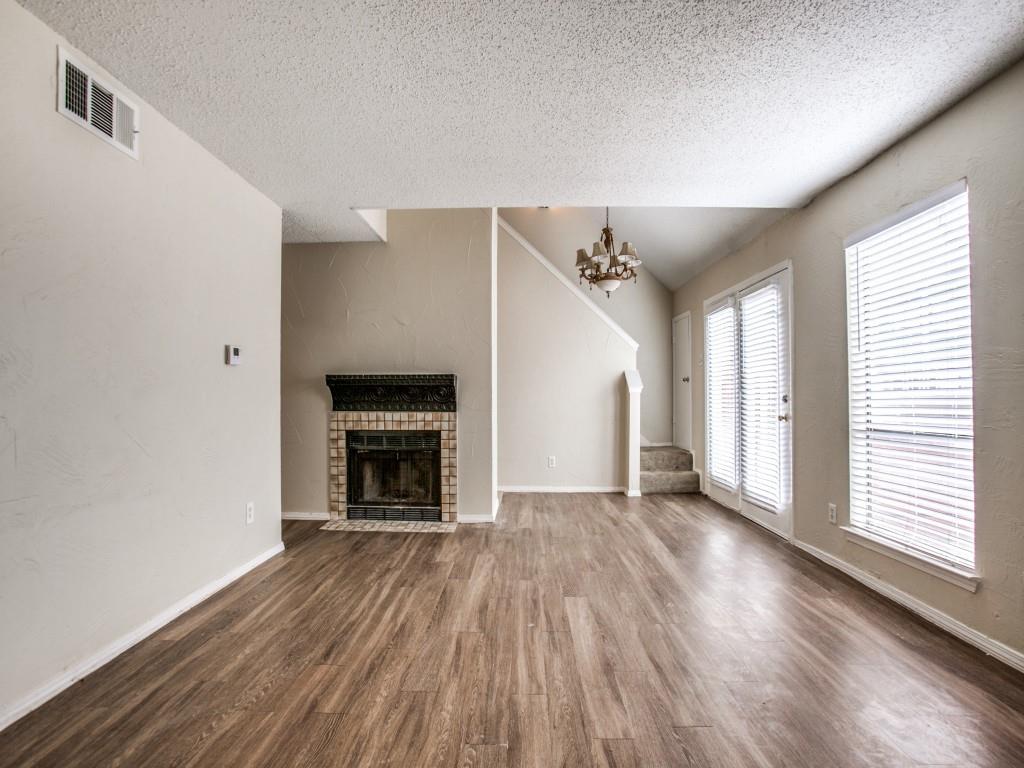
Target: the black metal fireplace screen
(394, 475)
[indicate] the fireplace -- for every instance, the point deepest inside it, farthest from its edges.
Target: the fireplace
(394, 475)
(393, 447)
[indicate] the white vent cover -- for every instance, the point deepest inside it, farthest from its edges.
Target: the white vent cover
(95, 107)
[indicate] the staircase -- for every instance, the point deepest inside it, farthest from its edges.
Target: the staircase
(667, 470)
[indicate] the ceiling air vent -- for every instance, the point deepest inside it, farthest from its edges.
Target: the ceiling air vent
(95, 107)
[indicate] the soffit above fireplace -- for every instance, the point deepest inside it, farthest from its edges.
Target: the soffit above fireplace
(393, 392)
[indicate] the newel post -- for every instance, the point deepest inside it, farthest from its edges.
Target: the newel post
(634, 386)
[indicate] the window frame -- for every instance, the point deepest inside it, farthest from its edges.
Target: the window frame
(948, 570)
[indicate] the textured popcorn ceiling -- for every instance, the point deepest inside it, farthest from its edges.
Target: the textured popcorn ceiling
(327, 106)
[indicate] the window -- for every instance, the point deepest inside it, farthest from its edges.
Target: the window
(722, 390)
(911, 382)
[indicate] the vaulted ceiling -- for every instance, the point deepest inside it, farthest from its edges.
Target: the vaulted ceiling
(677, 243)
(326, 106)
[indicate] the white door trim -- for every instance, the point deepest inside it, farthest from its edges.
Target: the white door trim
(676, 389)
(744, 284)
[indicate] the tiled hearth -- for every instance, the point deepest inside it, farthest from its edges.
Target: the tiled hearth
(445, 423)
(388, 526)
(366, 408)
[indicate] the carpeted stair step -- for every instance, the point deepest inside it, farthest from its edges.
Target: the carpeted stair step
(665, 458)
(669, 481)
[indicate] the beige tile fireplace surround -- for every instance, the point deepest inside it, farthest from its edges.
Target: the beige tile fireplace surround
(366, 407)
(344, 421)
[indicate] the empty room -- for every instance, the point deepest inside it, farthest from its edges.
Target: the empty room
(535, 383)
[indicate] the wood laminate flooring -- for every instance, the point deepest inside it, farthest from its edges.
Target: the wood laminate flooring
(580, 630)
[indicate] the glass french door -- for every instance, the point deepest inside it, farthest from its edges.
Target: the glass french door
(748, 403)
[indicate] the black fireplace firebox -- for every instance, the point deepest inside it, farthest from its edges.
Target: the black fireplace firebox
(394, 475)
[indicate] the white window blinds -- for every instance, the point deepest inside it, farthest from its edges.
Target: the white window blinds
(722, 388)
(760, 395)
(911, 383)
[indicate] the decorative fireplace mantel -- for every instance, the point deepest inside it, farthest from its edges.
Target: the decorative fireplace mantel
(427, 392)
(369, 407)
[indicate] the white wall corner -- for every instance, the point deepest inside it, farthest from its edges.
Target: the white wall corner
(377, 219)
(634, 388)
(495, 492)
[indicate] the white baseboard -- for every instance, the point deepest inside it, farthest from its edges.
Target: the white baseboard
(474, 519)
(658, 445)
(562, 488)
(998, 650)
(306, 516)
(79, 670)
(633, 494)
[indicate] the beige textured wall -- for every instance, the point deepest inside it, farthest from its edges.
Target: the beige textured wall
(127, 448)
(419, 303)
(643, 310)
(981, 139)
(560, 381)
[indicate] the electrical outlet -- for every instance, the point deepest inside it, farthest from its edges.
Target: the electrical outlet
(832, 513)
(551, 462)
(250, 512)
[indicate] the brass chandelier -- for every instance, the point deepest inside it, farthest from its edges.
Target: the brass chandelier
(603, 267)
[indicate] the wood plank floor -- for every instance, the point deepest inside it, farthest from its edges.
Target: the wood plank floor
(581, 630)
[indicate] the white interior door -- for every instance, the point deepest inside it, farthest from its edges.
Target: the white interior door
(681, 403)
(748, 408)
